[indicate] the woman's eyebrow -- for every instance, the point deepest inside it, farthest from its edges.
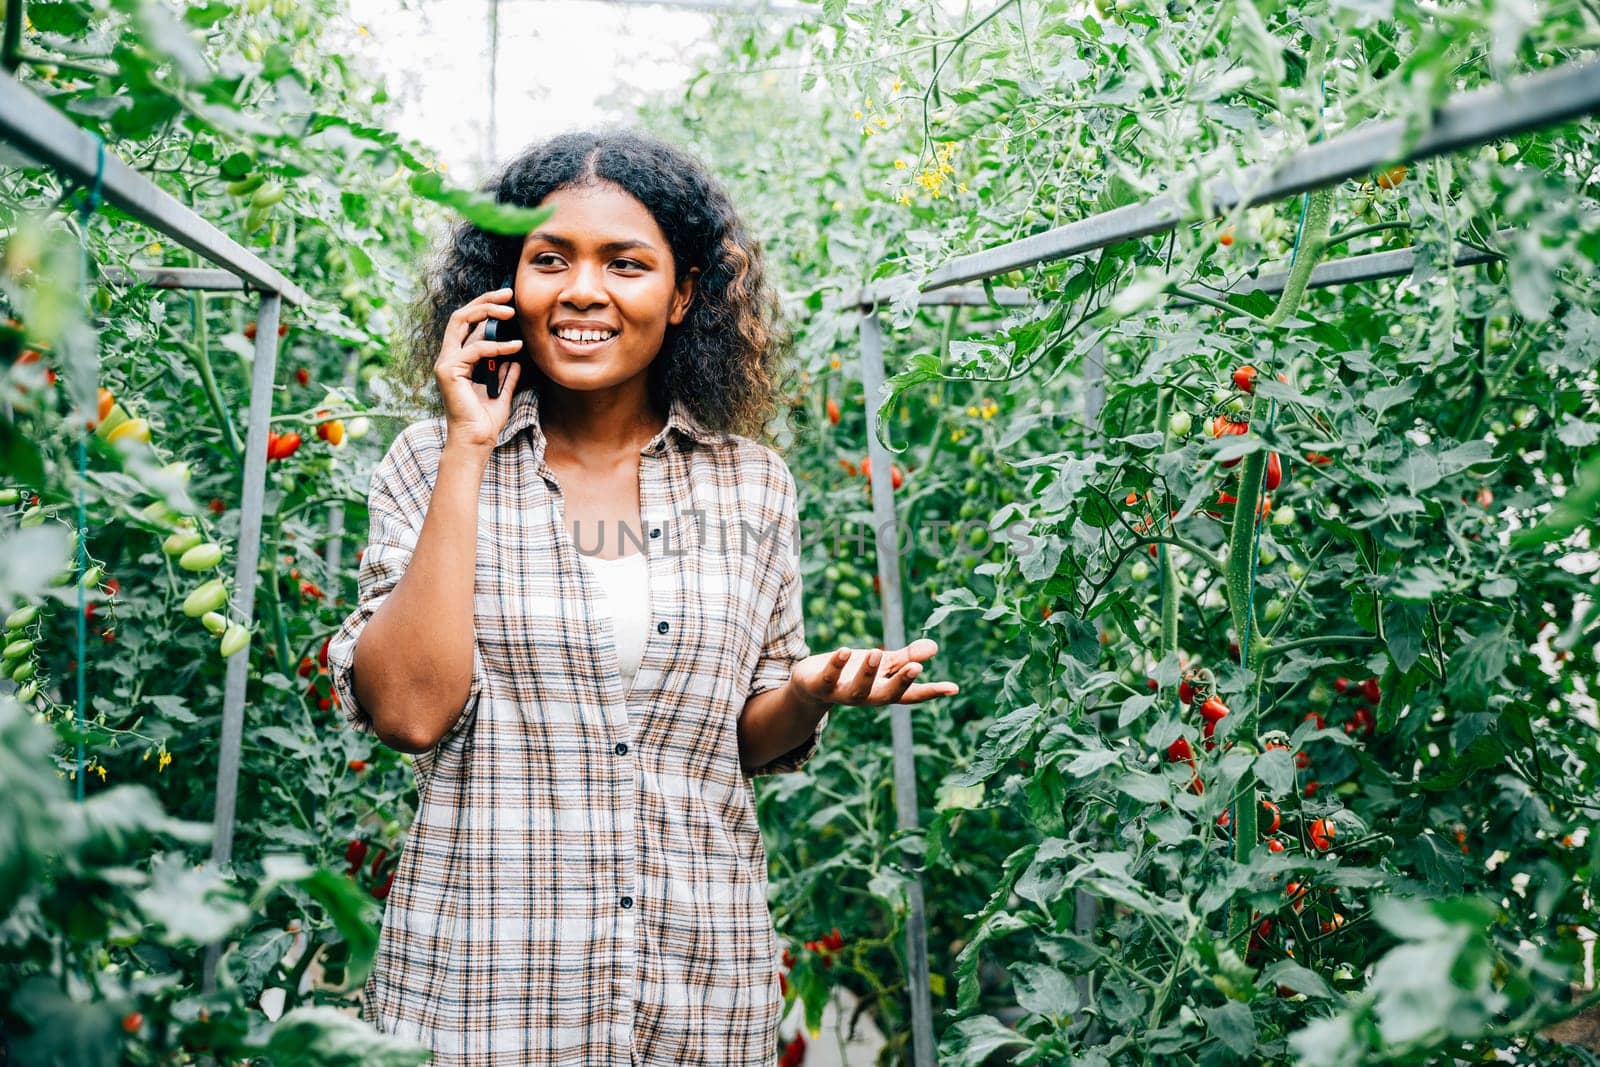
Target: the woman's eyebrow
(609, 246)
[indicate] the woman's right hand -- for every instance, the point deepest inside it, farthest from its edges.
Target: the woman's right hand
(471, 418)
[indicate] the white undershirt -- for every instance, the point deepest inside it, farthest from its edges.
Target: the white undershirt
(626, 603)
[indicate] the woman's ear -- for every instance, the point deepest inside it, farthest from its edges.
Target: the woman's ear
(684, 295)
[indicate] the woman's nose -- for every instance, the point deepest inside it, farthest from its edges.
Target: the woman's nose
(585, 285)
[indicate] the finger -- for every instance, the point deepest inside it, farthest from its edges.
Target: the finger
(927, 691)
(467, 318)
(896, 684)
(866, 676)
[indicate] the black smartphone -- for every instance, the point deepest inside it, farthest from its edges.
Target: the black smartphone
(487, 370)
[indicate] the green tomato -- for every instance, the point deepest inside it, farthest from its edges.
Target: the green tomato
(1320, 695)
(848, 590)
(28, 692)
(17, 649)
(831, 572)
(91, 577)
(1508, 152)
(22, 617)
(357, 427)
(1284, 516)
(1139, 571)
(1295, 571)
(234, 640)
(214, 622)
(1267, 556)
(33, 516)
(1238, 404)
(1179, 423)
(1273, 611)
(9, 496)
(1221, 395)
(201, 557)
(24, 671)
(178, 543)
(269, 193)
(208, 596)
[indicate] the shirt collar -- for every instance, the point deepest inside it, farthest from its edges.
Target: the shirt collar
(525, 416)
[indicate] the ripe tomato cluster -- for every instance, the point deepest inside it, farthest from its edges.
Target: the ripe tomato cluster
(320, 689)
(282, 445)
(380, 872)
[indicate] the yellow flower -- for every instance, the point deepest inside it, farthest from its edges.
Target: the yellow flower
(834, 362)
(945, 168)
(146, 754)
(897, 84)
(972, 410)
(899, 164)
(166, 758)
(883, 122)
(903, 198)
(857, 114)
(101, 768)
(962, 187)
(363, 31)
(868, 103)
(957, 434)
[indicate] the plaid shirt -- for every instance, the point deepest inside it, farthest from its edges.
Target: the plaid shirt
(585, 881)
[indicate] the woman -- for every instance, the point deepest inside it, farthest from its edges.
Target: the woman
(580, 611)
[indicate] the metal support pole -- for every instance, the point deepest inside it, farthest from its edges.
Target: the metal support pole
(1094, 391)
(253, 499)
(886, 538)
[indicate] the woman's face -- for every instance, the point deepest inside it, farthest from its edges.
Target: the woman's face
(600, 264)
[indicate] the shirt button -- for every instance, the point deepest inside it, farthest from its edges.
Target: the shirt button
(622, 748)
(661, 627)
(656, 532)
(627, 902)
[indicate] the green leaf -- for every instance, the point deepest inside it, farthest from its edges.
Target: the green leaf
(1484, 752)
(1300, 979)
(481, 210)
(1479, 666)
(970, 1042)
(1275, 770)
(1233, 1025)
(1044, 990)
(324, 1036)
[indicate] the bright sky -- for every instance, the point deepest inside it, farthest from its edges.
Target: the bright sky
(563, 64)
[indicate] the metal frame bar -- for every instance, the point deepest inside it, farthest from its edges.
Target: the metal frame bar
(1367, 267)
(1482, 115)
(42, 132)
(175, 278)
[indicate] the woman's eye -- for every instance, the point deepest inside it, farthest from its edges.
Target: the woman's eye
(549, 257)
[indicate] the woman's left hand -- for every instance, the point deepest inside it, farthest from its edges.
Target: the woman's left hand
(870, 677)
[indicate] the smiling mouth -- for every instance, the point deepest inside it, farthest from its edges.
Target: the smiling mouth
(584, 346)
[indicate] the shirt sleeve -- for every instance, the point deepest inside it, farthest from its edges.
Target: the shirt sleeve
(397, 503)
(785, 642)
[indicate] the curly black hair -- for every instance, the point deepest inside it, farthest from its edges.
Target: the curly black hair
(723, 361)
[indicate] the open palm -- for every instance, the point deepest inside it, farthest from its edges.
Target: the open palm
(871, 677)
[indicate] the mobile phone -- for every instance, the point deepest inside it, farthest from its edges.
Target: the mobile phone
(487, 370)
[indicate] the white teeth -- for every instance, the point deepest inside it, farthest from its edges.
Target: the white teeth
(584, 335)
